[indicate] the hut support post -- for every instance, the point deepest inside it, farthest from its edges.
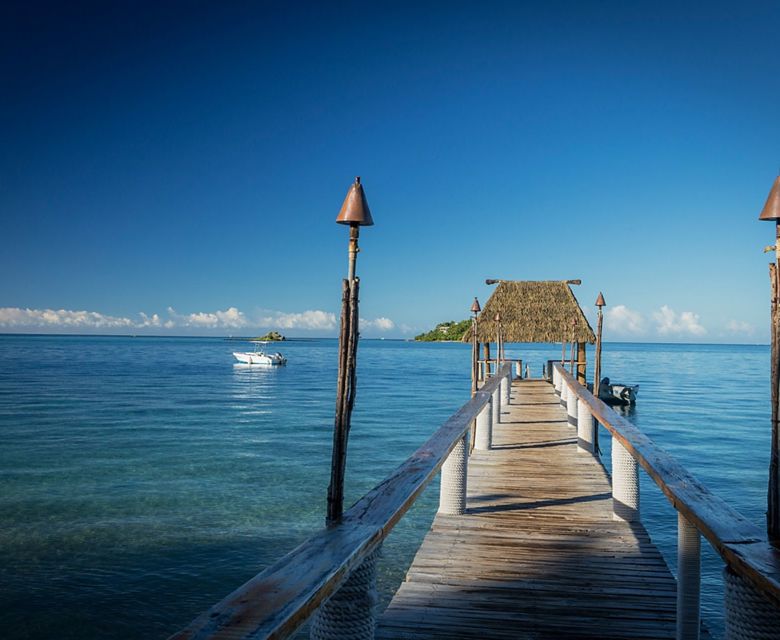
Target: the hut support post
(486, 358)
(582, 363)
(688, 579)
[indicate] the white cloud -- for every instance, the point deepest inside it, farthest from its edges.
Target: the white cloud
(312, 319)
(623, 320)
(380, 324)
(740, 327)
(16, 317)
(669, 322)
(230, 318)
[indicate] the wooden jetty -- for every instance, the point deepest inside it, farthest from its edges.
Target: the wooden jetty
(538, 552)
(533, 539)
(540, 545)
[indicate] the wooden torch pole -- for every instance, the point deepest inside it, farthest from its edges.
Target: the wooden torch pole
(773, 493)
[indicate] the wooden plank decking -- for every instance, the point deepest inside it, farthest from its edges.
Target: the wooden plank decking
(538, 554)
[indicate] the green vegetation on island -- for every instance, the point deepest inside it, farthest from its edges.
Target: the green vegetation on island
(272, 336)
(446, 331)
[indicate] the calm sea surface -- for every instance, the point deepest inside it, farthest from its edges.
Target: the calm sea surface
(143, 479)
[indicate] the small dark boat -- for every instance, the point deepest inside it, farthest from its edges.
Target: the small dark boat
(617, 394)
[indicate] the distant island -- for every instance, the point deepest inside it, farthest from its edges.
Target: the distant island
(446, 332)
(272, 336)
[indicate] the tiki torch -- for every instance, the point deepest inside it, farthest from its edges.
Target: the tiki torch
(475, 309)
(771, 211)
(356, 214)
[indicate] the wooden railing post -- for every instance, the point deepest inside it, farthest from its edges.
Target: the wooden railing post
(688, 579)
(519, 369)
(625, 484)
(749, 614)
(571, 406)
(454, 473)
(483, 438)
(586, 427)
(496, 404)
(350, 612)
(556, 378)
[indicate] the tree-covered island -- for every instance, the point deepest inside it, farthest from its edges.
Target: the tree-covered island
(446, 332)
(272, 336)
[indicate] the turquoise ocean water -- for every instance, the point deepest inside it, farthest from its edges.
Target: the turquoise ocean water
(143, 479)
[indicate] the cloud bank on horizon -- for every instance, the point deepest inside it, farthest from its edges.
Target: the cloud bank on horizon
(666, 323)
(229, 319)
(620, 323)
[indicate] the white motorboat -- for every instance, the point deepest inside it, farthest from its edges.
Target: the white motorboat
(258, 356)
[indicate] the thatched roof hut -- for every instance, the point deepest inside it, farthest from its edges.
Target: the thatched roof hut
(533, 312)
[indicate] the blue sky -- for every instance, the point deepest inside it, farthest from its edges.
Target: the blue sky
(176, 168)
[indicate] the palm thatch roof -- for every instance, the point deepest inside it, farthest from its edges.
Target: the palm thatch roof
(533, 312)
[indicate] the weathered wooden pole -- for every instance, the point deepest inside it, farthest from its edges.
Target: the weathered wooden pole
(355, 213)
(597, 363)
(573, 349)
(497, 318)
(475, 309)
(771, 211)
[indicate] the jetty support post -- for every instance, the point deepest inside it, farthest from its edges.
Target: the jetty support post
(506, 388)
(556, 379)
(564, 391)
(771, 212)
(749, 613)
(571, 405)
(688, 580)
(454, 474)
(586, 427)
(483, 438)
(350, 612)
(625, 484)
(496, 405)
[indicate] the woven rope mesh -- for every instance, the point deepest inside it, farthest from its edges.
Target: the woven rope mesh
(349, 613)
(452, 494)
(749, 615)
(688, 578)
(585, 426)
(496, 406)
(484, 434)
(625, 483)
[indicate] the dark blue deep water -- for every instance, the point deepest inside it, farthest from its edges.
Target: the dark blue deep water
(143, 479)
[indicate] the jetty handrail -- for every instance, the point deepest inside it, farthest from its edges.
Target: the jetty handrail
(281, 598)
(739, 542)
